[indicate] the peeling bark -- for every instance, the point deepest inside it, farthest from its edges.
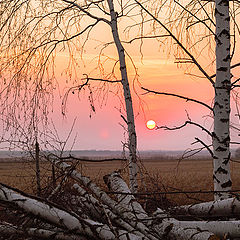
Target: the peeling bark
(221, 110)
(132, 137)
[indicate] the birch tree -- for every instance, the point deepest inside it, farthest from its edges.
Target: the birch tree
(221, 110)
(35, 32)
(132, 137)
(191, 17)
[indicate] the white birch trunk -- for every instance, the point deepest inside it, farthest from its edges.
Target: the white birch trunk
(11, 230)
(226, 207)
(132, 137)
(220, 228)
(64, 219)
(221, 136)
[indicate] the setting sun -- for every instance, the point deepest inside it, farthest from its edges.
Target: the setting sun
(151, 124)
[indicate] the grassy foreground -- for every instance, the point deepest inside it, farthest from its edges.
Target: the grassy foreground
(159, 176)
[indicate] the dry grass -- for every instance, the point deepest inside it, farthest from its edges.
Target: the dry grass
(169, 175)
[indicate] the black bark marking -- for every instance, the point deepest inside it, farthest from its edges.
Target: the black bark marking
(222, 69)
(227, 19)
(227, 184)
(217, 12)
(227, 58)
(219, 105)
(226, 140)
(233, 207)
(122, 68)
(224, 32)
(224, 120)
(226, 161)
(215, 178)
(167, 230)
(214, 136)
(89, 183)
(221, 149)
(211, 209)
(224, 2)
(226, 82)
(105, 179)
(221, 170)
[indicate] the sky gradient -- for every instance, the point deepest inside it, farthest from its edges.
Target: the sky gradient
(103, 130)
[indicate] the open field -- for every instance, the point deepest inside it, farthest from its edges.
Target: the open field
(160, 176)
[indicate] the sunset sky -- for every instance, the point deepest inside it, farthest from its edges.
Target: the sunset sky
(104, 131)
(152, 67)
(157, 71)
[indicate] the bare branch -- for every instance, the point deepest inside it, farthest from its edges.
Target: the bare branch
(86, 12)
(185, 124)
(178, 96)
(206, 146)
(71, 157)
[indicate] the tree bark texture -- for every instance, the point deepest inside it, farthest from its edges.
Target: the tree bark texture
(64, 219)
(132, 137)
(101, 210)
(116, 207)
(219, 228)
(226, 207)
(170, 229)
(116, 184)
(10, 230)
(221, 110)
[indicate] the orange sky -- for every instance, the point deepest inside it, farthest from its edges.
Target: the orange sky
(157, 71)
(103, 129)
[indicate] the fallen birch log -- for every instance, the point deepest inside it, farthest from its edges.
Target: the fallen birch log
(220, 228)
(175, 232)
(116, 184)
(10, 230)
(165, 230)
(170, 230)
(93, 205)
(118, 209)
(226, 207)
(64, 219)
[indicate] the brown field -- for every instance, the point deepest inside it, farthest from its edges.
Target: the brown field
(160, 176)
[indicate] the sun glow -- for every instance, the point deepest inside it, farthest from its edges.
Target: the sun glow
(151, 124)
